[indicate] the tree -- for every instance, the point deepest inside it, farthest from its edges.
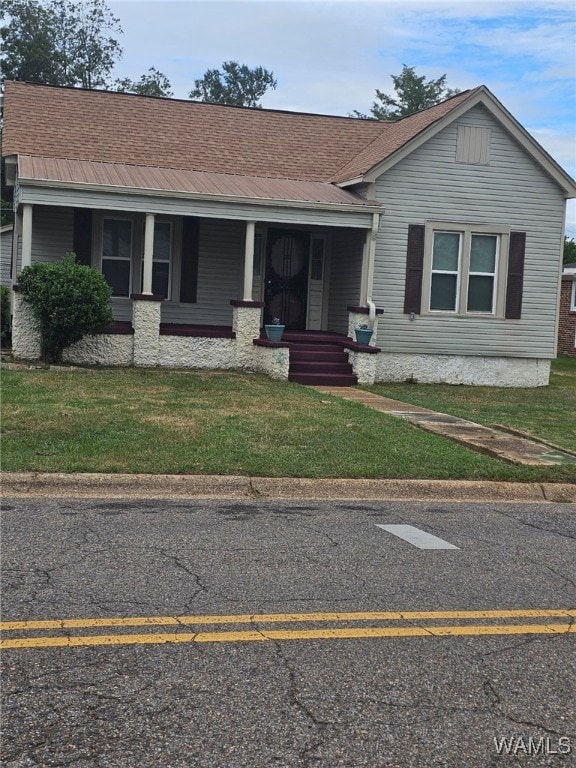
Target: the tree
(236, 84)
(154, 83)
(569, 250)
(413, 93)
(58, 42)
(68, 300)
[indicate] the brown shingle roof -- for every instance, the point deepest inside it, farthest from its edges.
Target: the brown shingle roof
(136, 130)
(395, 136)
(202, 183)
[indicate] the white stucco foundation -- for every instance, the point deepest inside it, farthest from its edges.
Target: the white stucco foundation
(196, 352)
(102, 349)
(364, 366)
(146, 324)
(273, 361)
(246, 326)
(459, 369)
(25, 333)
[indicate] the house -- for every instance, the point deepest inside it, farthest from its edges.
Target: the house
(6, 233)
(567, 314)
(441, 231)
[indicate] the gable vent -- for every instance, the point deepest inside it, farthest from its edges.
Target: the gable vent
(473, 145)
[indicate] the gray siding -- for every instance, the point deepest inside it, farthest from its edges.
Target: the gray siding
(220, 274)
(512, 190)
(6, 256)
(345, 277)
(52, 233)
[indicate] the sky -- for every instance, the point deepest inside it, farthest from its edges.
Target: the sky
(329, 57)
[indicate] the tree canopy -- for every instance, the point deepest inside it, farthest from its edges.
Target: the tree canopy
(236, 84)
(413, 93)
(153, 83)
(58, 42)
(70, 43)
(569, 250)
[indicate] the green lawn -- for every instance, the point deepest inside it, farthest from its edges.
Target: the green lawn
(234, 423)
(545, 412)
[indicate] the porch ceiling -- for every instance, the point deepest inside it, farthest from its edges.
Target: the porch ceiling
(62, 172)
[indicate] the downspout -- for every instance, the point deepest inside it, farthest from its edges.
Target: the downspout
(370, 270)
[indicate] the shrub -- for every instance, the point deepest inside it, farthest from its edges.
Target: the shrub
(5, 332)
(69, 301)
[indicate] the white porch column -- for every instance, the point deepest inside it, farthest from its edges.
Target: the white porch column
(26, 235)
(148, 253)
(368, 259)
(249, 260)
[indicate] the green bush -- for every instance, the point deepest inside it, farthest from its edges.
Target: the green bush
(5, 331)
(69, 301)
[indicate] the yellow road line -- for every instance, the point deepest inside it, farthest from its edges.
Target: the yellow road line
(309, 634)
(143, 621)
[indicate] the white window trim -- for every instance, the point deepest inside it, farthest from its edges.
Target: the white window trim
(466, 230)
(573, 299)
(106, 218)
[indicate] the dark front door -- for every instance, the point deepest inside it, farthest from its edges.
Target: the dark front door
(287, 259)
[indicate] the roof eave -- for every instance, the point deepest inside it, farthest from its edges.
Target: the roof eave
(306, 204)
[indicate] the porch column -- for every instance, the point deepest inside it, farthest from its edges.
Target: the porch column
(249, 260)
(368, 259)
(26, 235)
(148, 254)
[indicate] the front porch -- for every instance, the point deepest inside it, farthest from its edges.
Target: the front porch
(307, 357)
(313, 277)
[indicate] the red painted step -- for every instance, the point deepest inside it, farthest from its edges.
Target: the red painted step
(318, 358)
(324, 379)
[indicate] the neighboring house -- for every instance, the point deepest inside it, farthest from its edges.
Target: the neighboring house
(442, 230)
(6, 234)
(567, 315)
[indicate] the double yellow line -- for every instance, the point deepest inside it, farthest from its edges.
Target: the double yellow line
(259, 632)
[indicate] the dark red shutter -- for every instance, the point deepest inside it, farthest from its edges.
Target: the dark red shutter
(82, 236)
(515, 283)
(414, 269)
(189, 261)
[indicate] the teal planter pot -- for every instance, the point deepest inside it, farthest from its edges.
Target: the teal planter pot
(363, 335)
(274, 332)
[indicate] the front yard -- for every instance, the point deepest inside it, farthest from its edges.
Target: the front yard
(234, 423)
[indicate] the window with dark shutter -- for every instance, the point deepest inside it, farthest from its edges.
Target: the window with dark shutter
(414, 269)
(82, 236)
(514, 285)
(189, 261)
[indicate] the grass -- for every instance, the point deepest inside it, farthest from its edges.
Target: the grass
(234, 423)
(545, 412)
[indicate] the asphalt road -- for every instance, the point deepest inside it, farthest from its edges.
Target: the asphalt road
(266, 634)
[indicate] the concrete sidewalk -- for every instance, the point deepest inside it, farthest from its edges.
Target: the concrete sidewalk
(122, 486)
(509, 445)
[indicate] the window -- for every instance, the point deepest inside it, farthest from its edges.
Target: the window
(463, 269)
(117, 255)
(573, 301)
(161, 259)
